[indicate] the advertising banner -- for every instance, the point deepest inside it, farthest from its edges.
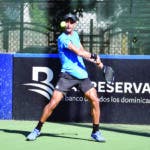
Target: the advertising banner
(6, 66)
(126, 101)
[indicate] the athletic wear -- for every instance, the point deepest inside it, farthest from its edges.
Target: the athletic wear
(71, 62)
(95, 128)
(97, 136)
(66, 82)
(33, 135)
(39, 125)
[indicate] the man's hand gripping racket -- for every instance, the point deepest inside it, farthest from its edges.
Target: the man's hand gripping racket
(108, 71)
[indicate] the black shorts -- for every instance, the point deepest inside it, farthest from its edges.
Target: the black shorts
(66, 82)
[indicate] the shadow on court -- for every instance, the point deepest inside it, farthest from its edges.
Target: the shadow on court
(125, 131)
(59, 135)
(70, 135)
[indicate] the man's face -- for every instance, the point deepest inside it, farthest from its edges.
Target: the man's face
(70, 25)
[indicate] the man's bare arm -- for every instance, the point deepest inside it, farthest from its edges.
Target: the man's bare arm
(85, 54)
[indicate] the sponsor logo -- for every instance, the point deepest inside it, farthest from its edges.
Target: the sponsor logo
(43, 87)
(123, 87)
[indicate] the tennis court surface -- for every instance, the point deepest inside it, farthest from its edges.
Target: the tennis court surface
(63, 136)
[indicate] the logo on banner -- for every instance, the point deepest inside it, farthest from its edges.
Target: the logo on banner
(42, 87)
(123, 87)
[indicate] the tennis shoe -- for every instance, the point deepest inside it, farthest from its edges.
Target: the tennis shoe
(33, 135)
(97, 136)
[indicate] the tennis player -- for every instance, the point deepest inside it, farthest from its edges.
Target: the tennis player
(73, 73)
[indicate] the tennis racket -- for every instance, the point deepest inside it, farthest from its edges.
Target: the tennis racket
(108, 74)
(108, 71)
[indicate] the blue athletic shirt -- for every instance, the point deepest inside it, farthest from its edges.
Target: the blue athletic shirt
(71, 62)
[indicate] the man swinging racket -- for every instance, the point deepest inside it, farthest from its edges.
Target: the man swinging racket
(73, 73)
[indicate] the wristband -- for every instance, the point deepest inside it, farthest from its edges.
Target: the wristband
(93, 56)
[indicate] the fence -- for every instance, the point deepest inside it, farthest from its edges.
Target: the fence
(110, 27)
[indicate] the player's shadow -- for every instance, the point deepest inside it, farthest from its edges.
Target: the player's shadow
(58, 135)
(126, 131)
(65, 136)
(25, 133)
(146, 134)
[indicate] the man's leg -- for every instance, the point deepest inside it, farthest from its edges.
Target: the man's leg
(47, 111)
(91, 95)
(56, 98)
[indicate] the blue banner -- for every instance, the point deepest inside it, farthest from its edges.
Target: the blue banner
(6, 66)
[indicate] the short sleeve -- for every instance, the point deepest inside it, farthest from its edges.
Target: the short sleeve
(64, 42)
(77, 36)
